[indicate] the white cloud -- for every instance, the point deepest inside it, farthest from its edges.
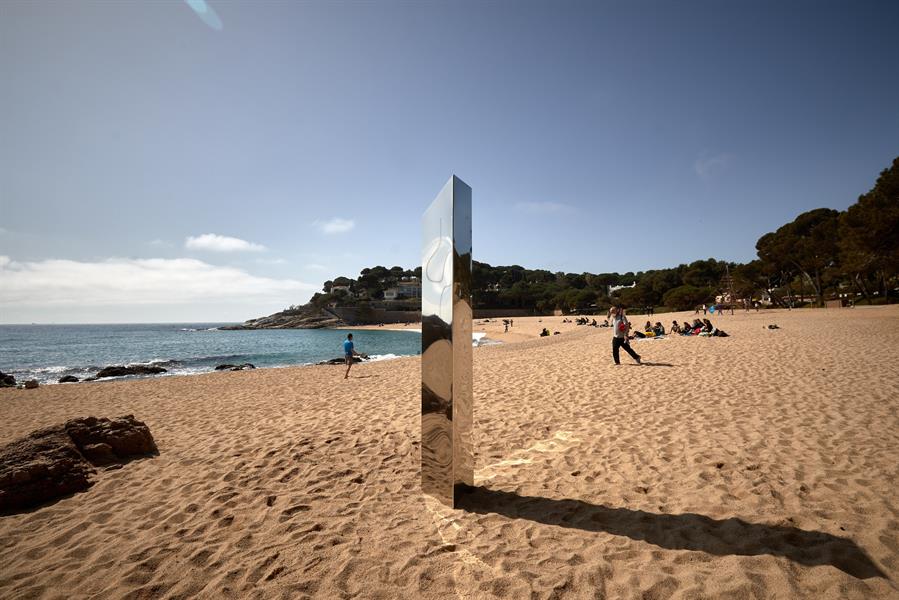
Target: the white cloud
(316, 267)
(335, 225)
(271, 261)
(707, 166)
(152, 281)
(543, 208)
(221, 243)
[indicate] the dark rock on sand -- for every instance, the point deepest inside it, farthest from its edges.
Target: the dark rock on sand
(46, 464)
(68, 379)
(32, 384)
(342, 361)
(234, 367)
(120, 370)
(59, 460)
(103, 441)
(7, 380)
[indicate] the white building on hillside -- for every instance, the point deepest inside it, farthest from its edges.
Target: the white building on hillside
(407, 288)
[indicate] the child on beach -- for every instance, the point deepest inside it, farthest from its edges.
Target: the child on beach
(349, 352)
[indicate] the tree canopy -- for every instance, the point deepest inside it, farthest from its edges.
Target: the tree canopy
(828, 252)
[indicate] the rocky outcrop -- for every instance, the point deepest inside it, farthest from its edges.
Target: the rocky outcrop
(307, 317)
(120, 370)
(32, 384)
(68, 379)
(59, 460)
(235, 367)
(342, 361)
(44, 465)
(103, 441)
(7, 380)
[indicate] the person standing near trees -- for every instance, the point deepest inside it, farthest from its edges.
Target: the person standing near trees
(621, 327)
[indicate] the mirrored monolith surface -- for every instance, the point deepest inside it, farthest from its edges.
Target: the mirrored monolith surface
(447, 456)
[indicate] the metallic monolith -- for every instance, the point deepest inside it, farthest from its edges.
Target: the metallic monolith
(447, 455)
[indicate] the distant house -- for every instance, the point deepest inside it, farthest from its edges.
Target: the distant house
(410, 288)
(345, 288)
(406, 288)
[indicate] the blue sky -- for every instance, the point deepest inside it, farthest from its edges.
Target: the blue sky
(156, 168)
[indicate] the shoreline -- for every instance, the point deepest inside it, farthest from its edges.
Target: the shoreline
(525, 329)
(756, 461)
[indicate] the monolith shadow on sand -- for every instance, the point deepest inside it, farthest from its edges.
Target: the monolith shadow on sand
(680, 531)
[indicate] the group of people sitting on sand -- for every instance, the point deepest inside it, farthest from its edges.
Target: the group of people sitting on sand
(650, 330)
(586, 321)
(702, 327)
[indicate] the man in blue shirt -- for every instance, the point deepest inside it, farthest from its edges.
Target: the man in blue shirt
(349, 352)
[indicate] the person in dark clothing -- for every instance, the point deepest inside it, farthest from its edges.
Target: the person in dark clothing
(621, 327)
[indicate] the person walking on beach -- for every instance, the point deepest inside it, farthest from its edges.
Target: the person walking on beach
(349, 352)
(621, 327)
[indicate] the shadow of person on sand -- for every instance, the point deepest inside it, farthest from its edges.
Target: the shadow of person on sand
(647, 363)
(680, 531)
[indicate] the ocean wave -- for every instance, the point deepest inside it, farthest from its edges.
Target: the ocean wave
(52, 369)
(388, 356)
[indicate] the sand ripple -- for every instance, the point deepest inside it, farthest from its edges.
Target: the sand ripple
(757, 466)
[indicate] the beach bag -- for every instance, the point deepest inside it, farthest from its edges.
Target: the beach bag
(622, 326)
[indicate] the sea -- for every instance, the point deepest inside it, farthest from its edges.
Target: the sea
(48, 352)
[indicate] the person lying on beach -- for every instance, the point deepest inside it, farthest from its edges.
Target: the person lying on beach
(712, 330)
(650, 331)
(544, 333)
(348, 353)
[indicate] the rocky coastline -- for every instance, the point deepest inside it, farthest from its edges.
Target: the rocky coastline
(303, 318)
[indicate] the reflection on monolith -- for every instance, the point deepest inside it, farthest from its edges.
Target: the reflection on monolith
(447, 456)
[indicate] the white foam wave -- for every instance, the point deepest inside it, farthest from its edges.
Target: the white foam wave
(379, 357)
(53, 369)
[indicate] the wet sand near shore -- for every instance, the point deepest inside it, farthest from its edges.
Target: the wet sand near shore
(756, 466)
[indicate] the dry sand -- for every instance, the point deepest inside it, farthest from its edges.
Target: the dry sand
(763, 465)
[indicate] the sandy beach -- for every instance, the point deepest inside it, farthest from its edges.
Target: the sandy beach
(763, 465)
